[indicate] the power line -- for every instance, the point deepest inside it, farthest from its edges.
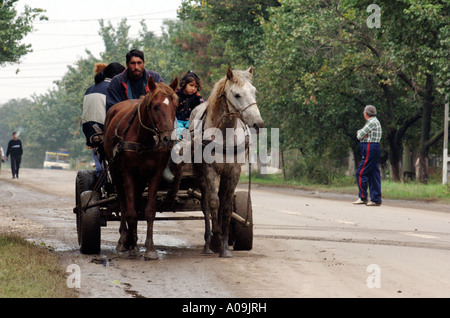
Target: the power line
(68, 47)
(110, 18)
(11, 77)
(96, 20)
(128, 17)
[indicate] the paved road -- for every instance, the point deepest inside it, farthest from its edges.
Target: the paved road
(304, 246)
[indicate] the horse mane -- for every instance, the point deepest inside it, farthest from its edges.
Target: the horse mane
(214, 98)
(213, 106)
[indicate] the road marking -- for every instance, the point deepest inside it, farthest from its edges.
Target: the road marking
(419, 235)
(344, 222)
(289, 212)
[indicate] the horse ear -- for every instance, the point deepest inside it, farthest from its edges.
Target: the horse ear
(174, 84)
(151, 84)
(229, 73)
(250, 70)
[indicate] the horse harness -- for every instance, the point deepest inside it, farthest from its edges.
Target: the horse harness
(228, 113)
(124, 145)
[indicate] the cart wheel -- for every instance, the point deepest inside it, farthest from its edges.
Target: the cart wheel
(89, 224)
(242, 236)
(84, 181)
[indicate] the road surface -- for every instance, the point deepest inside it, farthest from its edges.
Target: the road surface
(305, 245)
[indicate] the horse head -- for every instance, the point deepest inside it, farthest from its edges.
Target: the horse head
(159, 106)
(241, 94)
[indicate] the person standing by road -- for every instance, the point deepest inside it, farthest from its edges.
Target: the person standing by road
(16, 151)
(368, 172)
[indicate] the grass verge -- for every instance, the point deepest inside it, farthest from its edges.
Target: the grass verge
(30, 271)
(432, 192)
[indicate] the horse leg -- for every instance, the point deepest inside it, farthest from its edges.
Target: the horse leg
(123, 229)
(131, 216)
(212, 201)
(207, 215)
(150, 213)
(228, 183)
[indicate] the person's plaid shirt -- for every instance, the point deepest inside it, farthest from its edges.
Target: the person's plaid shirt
(371, 132)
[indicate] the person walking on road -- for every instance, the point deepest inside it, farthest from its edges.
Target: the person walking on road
(15, 150)
(368, 172)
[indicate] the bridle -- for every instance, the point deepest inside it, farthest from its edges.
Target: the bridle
(228, 113)
(236, 112)
(124, 145)
(154, 129)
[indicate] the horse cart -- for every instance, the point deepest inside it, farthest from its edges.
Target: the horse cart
(137, 143)
(97, 204)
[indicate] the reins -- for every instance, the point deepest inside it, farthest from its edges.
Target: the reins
(123, 145)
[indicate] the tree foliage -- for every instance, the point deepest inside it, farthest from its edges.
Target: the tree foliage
(13, 29)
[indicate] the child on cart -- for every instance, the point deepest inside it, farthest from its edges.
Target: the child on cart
(189, 97)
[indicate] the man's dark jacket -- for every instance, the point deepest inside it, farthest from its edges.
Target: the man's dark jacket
(14, 148)
(119, 89)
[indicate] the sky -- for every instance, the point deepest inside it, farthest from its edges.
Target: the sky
(72, 27)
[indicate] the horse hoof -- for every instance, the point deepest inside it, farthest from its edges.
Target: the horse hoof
(207, 251)
(134, 252)
(121, 248)
(226, 254)
(150, 255)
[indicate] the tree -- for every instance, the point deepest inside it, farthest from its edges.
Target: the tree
(235, 26)
(335, 64)
(412, 44)
(117, 41)
(13, 29)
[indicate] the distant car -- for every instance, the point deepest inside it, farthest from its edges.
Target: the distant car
(57, 160)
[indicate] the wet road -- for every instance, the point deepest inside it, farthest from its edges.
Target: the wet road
(304, 246)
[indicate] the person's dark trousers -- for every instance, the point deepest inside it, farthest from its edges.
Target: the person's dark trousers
(15, 165)
(368, 172)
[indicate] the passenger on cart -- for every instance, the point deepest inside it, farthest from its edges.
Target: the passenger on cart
(94, 108)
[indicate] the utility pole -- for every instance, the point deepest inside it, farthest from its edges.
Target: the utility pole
(446, 158)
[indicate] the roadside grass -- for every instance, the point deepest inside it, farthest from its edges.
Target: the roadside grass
(30, 271)
(431, 192)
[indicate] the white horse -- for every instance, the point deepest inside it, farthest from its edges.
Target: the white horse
(232, 101)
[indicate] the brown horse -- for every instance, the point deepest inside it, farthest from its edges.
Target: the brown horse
(137, 143)
(231, 102)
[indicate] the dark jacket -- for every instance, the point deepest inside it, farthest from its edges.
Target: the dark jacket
(119, 89)
(14, 148)
(186, 103)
